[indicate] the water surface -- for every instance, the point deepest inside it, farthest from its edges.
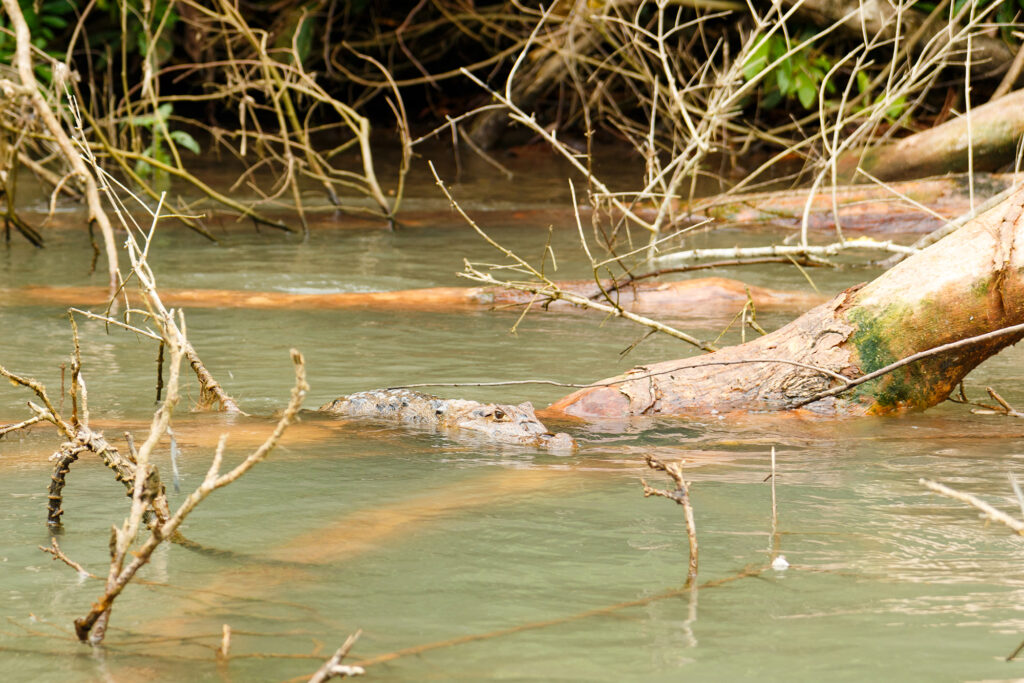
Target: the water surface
(469, 560)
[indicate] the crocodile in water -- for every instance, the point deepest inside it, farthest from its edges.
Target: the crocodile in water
(506, 423)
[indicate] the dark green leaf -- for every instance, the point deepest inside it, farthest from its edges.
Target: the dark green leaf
(185, 140)
(756, 61)
(807, 92)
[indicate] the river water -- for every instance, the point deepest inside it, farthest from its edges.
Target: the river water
(468, 560)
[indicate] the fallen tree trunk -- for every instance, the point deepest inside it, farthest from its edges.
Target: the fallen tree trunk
(699, 296)
(967, 284)
(994, 130)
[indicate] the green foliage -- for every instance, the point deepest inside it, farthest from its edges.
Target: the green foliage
(896, 106)
(798, 72)
(157, 126)
(47, 23)
(1004, 14)
(162, 16)
(51, 23)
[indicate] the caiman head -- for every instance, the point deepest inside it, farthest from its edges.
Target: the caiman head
(508, 423)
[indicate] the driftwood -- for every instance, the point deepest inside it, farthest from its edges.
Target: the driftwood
(991, 137)
(700, 296)
(967, 284)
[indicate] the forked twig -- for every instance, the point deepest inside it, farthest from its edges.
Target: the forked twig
(121, 575)
(333, 668)
(681, 496)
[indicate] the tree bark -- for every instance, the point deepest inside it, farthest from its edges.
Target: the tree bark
(967, 284)
(995, 128)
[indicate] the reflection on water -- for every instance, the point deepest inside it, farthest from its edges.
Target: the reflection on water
(462, 559)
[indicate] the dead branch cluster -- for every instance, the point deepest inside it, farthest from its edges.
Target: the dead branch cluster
(136, 469)
(672, 81)
(281, 115)
(677, 81)
(678, 84)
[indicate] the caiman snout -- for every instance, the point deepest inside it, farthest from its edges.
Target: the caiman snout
(557, 442)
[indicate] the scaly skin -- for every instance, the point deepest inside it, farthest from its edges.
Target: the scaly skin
(505, 423)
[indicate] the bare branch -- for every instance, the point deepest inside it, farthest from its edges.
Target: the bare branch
(333, 667)
(987, 510)
(681, 496)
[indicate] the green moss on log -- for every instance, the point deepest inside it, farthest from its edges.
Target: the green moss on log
(873, 341)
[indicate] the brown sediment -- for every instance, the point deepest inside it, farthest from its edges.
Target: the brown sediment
(699, 296)
(965, 285)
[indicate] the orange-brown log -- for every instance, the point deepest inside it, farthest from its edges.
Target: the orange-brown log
(965, 285)
(701, 296)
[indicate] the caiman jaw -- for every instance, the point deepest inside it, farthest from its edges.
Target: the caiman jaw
(557, 442)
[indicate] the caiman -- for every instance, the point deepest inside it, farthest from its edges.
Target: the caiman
(498, 421)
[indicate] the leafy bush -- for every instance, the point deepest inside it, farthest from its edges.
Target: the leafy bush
(799, 74)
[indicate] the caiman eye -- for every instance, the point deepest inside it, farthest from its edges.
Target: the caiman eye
(499, 414)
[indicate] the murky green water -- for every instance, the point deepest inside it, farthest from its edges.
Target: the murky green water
(467, 560)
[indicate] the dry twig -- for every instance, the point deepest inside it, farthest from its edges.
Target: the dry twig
(987, 510)
(333, 668)
(121, 574)
(681, 495)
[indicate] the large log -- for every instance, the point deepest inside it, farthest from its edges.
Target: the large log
(995, 128)
(920, 205)
(695, 297)
(967, 284)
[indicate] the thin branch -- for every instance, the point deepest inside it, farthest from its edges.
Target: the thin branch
(333, 668)
(214, 480)
(22, 60)
(7, 429)
(784, 250)
(987, 510)
(681, 496)
(58, 554)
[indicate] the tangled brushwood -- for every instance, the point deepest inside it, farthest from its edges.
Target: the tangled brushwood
(290, 90)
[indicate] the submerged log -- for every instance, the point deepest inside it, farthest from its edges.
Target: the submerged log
(697, 297)
(920, 205)
(967, 284)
